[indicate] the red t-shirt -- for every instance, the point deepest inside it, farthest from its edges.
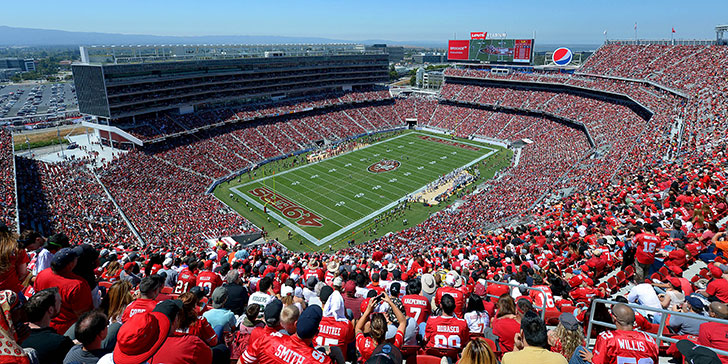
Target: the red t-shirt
(375, 287)
(334, 333)
(185, 281)
(715, 335)
(646, 244)
(446, 332)
(9, 279)
(75, 296)
(719, 288)
(202, 329)
(277, 348)
(208, 279)
(366, 344)
(186, 349)
(505, 329)
(497, 289)
(585, 294)
(456, 294)
(416, 307)
(140, 305)
(624, 347)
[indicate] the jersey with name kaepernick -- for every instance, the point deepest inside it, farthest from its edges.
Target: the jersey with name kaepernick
(447, 332)
(417, 307)
(334, 333)
(277, 348)
(620, 346)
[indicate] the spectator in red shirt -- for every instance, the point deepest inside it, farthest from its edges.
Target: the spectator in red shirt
(447, 331)
(13, 261)
(718, 287)
(179, 349)
(714, 334)
(75, 292)
(506, 324)
(378, 327)
(645, 243)
(208, 279)
(352, 302)
(416, 305)
(149, 289)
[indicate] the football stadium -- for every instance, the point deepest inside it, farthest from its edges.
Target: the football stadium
(240, 203)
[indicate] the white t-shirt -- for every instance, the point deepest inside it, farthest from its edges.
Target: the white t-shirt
(645, 295)
(261, 299)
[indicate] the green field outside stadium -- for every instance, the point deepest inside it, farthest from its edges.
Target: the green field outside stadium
(326, 201)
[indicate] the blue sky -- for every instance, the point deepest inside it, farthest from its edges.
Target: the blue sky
(553, 21)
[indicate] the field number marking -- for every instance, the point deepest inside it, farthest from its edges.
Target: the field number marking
(359, 195)
(407, 173)
(392, 180)
(433, 162)
(340, 203)
(295, 183)
(420, 167)
(314, 176)
(347, 165)
(376, 187)
(332, 170)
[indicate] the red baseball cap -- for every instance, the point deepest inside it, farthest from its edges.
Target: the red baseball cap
(208, 264)
(129, 265)
(674, 281)
(716, 272)
(675, 270)
(140, 337)
(575, 281)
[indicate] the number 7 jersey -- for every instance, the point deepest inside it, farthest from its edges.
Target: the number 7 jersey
(625, 347)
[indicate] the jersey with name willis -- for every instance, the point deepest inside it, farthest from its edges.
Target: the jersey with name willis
(621, 346)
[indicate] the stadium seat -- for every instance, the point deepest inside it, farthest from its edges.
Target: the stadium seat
(612, 282)
(629, 271)
(664, 271)
(441, 352)
(167, 290)
(621, 278)
(106, 285)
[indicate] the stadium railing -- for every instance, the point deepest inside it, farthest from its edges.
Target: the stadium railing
(540, 308)
(659, 337)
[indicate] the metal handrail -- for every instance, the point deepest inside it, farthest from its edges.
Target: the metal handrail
(542, 308)
(659, 336)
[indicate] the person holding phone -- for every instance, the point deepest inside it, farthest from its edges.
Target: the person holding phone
(378, 327)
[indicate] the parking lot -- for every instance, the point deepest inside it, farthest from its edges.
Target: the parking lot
(32, 99)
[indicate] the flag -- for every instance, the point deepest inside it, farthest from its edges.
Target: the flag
(605, 32)
(673, 30)
(635, 26)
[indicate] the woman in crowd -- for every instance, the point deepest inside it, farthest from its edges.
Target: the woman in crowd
(378, 327)
(111, 272)
(567, 336)
(13, 261)
(193, 324)
(506, 324)
(475, 315)
(477, 352)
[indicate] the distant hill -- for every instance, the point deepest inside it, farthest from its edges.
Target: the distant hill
(12, 36)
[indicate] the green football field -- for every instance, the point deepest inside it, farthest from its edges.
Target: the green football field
(329, 199)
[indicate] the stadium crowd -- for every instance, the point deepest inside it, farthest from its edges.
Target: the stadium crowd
(7, 182)
(90, 293)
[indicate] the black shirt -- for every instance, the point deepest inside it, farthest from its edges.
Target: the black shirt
(79, 356)
(51, 346)
(237, 298)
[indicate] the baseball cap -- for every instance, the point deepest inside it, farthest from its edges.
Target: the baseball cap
(338, 282)
(170, 308)
(674, 281)
(696, 354)
(150, 283)
(168, 262)
(219, 296)
(308, 322)
(311, 282)
(575, 281)
(716, 272)
(197, 291)
(273, 312)
(65, 256)
(286, 291)
(59, 240)
(384, 354)
(129, 265)
(428, 283)
(568, 321)
(350, 286)
(140, 337)
(697, 303)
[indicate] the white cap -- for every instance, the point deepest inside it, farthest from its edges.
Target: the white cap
(286, 290)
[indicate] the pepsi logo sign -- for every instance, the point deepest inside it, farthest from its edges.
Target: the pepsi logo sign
(383, 166)
(562, 56)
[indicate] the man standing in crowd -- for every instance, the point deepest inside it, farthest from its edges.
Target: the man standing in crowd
(646, 244)
(531, 342)
(91, 330)
(41, 308)
(149, 289)
(623, 342)
(74, 290)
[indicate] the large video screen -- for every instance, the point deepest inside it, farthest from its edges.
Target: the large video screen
(492, 50)
(501, 50)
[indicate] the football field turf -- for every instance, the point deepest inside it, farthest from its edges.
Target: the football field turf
(325, 200)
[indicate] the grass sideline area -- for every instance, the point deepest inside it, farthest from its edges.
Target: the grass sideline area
(355, 195)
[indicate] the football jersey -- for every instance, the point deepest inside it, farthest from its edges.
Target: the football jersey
(140, 305)
(446, 332)
(416, 307)
(646, 244)
(277, 348)
(624, 347)
(538, 298)
(456, 294)
(334, 333)
(366, 344)
(185, 281)
(208, 279)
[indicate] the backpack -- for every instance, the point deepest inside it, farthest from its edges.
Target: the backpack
(238, 342)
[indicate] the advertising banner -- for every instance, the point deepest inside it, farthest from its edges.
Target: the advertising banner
(458, 50)
(478, 35)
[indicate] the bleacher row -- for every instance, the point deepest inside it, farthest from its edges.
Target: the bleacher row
(7, 180)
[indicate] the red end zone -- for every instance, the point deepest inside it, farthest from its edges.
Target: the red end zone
(287, 207)
(448, 142)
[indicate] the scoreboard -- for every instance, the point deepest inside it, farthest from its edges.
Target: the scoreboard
(492, 50)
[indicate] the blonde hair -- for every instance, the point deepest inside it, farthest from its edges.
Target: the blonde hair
(570, 339)
(478, 352)
(8, 248)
